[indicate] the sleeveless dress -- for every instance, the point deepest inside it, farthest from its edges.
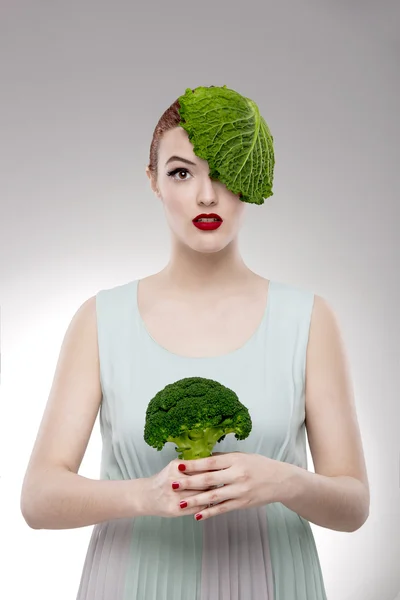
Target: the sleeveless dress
(263, 553)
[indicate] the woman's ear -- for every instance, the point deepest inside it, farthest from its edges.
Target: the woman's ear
(153, 183)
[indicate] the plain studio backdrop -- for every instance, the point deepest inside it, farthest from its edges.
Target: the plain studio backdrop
(82, 87)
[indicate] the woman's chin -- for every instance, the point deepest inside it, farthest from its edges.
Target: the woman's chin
(209, 247)
(206, 243)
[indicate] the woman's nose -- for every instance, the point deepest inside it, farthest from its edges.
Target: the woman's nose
(210, 202)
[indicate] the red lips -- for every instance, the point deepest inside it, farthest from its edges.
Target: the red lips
(209, 216)
(207, 225)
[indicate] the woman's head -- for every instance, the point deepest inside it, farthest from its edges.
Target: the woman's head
(186, 189)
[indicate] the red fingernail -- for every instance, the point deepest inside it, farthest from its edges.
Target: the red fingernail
(175, 485)
(199, 516)
(183, 504)
(182, 467)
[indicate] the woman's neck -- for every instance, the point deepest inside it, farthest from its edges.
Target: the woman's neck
(211, 272)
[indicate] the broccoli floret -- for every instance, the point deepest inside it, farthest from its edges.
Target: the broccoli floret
(195, 413)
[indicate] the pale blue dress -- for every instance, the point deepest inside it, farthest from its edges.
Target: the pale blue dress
(265, 553)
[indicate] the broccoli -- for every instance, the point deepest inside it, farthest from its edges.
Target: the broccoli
(195, 413)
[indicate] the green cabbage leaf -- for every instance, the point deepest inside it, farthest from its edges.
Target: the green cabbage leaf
(227, 130)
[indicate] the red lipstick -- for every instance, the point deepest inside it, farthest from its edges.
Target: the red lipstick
(207, 222)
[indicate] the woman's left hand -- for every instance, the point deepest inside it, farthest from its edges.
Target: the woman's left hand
(246, 480)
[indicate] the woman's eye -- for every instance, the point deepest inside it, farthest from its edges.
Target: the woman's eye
(176, 171)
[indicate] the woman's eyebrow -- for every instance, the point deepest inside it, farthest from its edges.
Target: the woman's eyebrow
(179, 158)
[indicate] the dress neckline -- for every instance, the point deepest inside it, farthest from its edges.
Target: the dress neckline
(244, 347)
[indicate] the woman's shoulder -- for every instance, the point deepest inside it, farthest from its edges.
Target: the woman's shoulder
(303, 300)
(116, 290)
(290, 286)
(292, 294)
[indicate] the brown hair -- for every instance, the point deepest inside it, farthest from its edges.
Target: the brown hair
(168, 120)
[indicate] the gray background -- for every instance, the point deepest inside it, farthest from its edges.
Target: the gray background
(82, 87)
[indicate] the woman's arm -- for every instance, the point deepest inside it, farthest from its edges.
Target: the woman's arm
(53, 495)
(340, 503)
(61, 499)
(336, 496)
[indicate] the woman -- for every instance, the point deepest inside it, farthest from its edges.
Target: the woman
(238, 527)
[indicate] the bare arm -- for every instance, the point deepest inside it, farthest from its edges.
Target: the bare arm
(336, 496)
(53, 495)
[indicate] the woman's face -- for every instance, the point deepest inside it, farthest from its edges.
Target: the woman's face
(186, 191)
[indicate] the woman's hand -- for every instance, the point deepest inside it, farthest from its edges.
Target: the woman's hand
(245, 480)
(164, 491)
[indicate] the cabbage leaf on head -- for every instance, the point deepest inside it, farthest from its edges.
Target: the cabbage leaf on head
(227, 130)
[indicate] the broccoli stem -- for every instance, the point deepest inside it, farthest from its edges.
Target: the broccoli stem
(198, 443)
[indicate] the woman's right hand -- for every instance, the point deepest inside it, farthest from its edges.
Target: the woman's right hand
(162, 499)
